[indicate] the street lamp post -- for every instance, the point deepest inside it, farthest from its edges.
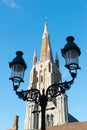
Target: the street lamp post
(70, 52)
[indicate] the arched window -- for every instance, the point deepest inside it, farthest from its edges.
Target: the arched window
(48, 120)
(41, 78)
(51, 120)
(49, 67)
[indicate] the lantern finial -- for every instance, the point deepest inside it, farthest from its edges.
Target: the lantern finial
(19, 53)
(70, 38)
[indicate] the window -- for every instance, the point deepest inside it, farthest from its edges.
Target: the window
(41, 78)
(48, 120)
(51, 120)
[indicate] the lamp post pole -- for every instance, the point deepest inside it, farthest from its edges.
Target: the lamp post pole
(71, 53)
(43, 103)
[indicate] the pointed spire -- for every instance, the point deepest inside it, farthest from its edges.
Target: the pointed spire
(48, 53)
(45, 33)
(34, 57)
(45, 45)
(57, 60)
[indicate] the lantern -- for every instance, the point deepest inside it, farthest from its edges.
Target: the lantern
(18, 67)
(71, 53)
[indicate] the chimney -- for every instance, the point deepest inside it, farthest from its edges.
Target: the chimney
(15, 125)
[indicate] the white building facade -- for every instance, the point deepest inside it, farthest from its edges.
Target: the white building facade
(44, 73)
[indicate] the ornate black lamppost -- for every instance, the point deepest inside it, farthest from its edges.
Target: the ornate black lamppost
(70, 52)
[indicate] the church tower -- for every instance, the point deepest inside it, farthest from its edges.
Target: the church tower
(44, 73)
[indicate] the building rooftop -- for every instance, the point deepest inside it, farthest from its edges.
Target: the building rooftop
(70, 126)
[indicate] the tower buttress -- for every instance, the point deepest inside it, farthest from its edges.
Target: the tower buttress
(57, 60)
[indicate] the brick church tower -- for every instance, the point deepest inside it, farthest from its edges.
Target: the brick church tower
(44, 73)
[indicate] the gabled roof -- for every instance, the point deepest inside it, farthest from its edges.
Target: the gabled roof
(72, 119)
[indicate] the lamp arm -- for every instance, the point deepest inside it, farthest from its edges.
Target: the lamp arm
(52, 91)
(56, 89)
(29, 95)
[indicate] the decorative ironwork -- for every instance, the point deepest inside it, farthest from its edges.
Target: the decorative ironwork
(70, 52)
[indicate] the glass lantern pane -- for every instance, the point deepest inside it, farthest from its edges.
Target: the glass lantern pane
(72, 58)
(17, 72)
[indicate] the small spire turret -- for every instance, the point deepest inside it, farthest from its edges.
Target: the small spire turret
(34, 57)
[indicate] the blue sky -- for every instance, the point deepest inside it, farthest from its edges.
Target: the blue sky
(21, 28)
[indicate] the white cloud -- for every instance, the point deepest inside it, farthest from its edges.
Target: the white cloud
(10, 3)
